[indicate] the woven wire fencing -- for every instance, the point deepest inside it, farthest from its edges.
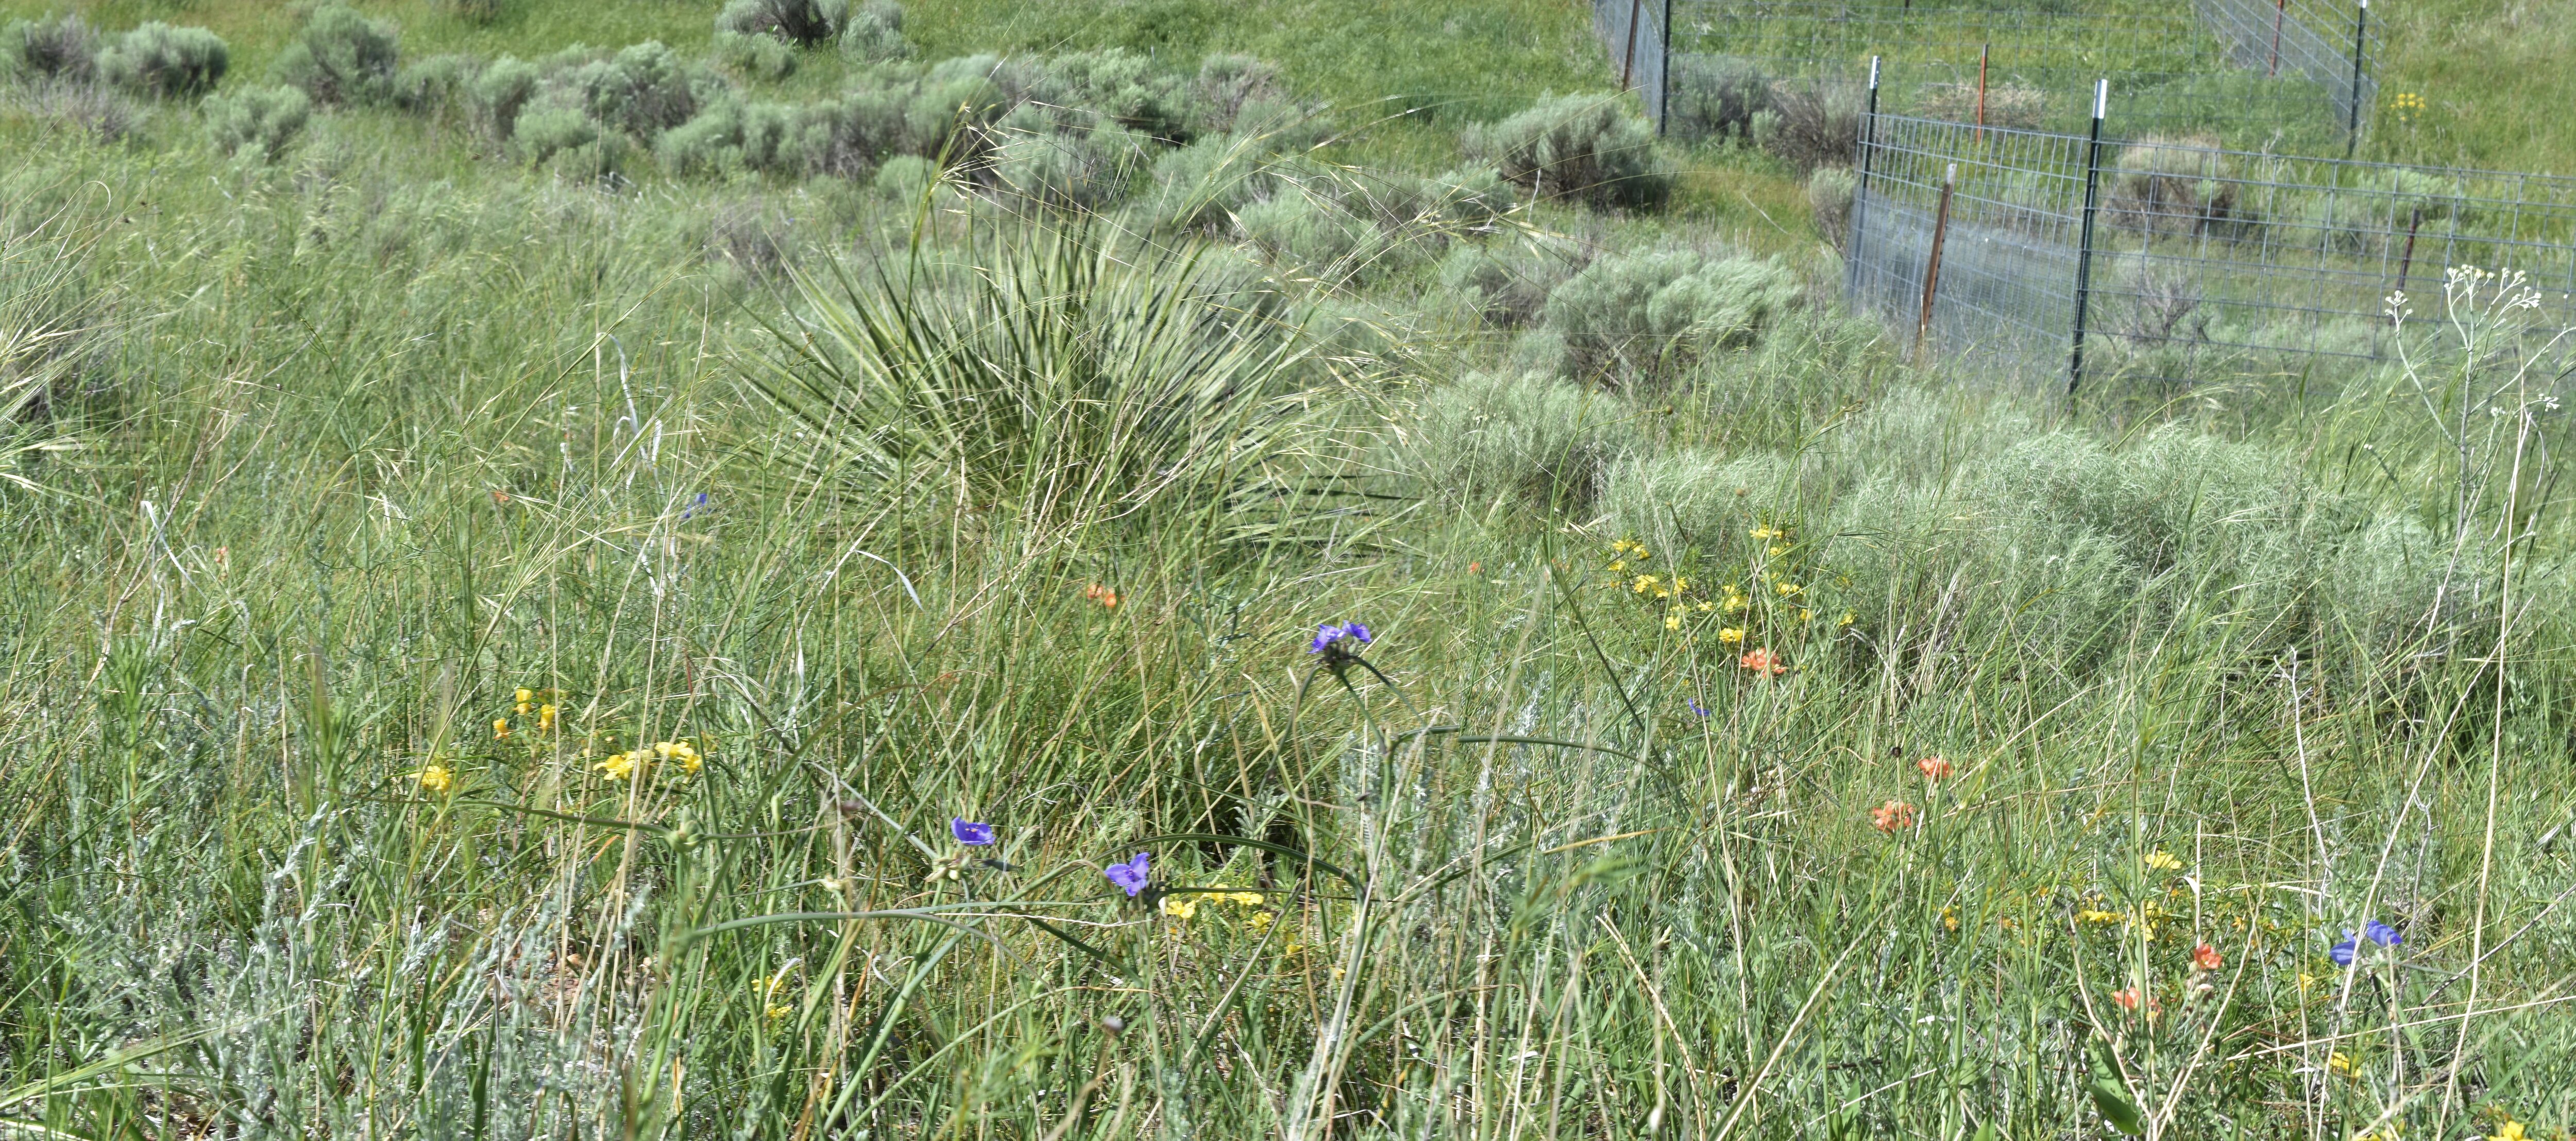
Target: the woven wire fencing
(2203, 69)
(2329, 43)
(1637, 32)
(2172, 262)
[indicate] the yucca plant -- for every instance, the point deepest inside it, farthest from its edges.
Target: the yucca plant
(1046, 367)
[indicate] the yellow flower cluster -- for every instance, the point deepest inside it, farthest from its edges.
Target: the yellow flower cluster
(2406, 105)
(2163, 861)
(436, 780)
(1185, 904)
(625, 766)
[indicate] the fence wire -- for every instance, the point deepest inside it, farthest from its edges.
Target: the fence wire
(2266, 73)
(2204, 262)
(2331, 44)
(1635, 32)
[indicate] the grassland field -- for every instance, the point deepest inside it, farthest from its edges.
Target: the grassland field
(1264, 570)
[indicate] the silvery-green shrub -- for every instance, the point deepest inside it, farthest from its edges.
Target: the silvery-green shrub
(874, 33)
(1586, 147)
(755, 56)
(1122, 85)
(1651, 313)
(256, 122)
(1506, 280)
(57, 47)
(157, 59)
(1526, 437)
(1715, 96)
(341, 57)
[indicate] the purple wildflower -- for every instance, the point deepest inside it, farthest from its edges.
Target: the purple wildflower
(2381, 933)
(1328, 638)
(970, 833)
(1129, 875)
(2341, 953)
(1696, 707)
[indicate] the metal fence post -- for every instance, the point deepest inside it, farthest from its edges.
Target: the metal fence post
(2352, 124)
(1628, 62)
(1860, 190)
(2084, 252)
(1932, 264)
(1664, 73)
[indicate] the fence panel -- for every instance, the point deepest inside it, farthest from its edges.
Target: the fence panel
(2007, 281)
(2329, 43)
(1634, 33)
(2206, 263)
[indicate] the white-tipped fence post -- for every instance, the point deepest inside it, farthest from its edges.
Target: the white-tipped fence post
(1860, 190)
(2084, 251)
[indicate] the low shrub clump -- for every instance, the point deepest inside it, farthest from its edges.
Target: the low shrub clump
(1585, 147)
(341, 57)
(1648, 315)
(1529, 439)
(2183, 186)
(1715, 97)
(256, 123)
(157, 59)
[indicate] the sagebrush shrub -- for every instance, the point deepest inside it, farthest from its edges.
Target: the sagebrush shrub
(1829, 194)
(1199, 187)
(874, 33)
(905, 178)
(57, 47)
(498, 94)
(641, 91)
(1586, 147)
(438, 86)
(2176, 186)
(1715, 96)
(1122, 85)
(256, 123)
(341, 57)
(753, 56)
(1473, 195)
(1229, 84)
(94, 109)
(1811, 124)
(160, 60)
(1649, 314)
(804, 23)
(1070, 169)
(1506, 281)
(1697, 497)
(1527, 437)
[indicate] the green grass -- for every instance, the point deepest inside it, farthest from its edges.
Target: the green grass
(337, 456)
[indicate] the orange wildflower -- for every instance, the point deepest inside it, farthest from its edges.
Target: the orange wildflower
(1893, 816)
(1105, 596)
(1934, 768)
(2205, 957)
(2128, 999)
(1763, 661)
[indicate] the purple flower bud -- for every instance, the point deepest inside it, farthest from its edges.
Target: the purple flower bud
(970, 833)
(2381, 933)
(1129, 875)
(2342, 953)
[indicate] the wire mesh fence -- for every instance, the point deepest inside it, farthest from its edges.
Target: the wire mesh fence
(2329, 43)
(2269, 78)
(1637, 32)
(2172, 262)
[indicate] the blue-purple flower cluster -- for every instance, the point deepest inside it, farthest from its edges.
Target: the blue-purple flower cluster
(1332, 639)
(2373, 932)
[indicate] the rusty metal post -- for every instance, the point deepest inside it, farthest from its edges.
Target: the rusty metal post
(1932, 264)
(1982, 53)
(1628, 63)
(2280, 9)
(2407, 261)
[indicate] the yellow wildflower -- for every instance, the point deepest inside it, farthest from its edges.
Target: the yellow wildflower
(500, 728)
(2162, 860)
(1673, 621)
(1259, 921)
(1848, 616)
(435, 780)
(1950, 918)
(545, 719)
(1180, 906)
(622, 766)
(1705, 605)
(1788, 589)
(1766, 533)
(2091, 915)
(1618, 565)
(1806, 615)
(1644, 583)
(681, 752)
(2511, 1130)
(1680, 584)
(1731, 635)
(1733, 603)
(525, 696)
(1246, 898)
(2342, 1063)
(1641, 552)
(1776, 549)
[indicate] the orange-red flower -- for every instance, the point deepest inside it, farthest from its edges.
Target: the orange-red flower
(1105, 596)
(2205, 957)
(1893, 816)
(2128, 999)
(1934, 768)
(1762, 661)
